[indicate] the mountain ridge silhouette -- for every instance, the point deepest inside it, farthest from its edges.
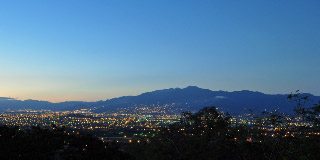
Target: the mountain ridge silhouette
(190, 98)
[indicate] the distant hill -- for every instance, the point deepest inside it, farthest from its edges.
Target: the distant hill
(192, 98)
(195, 98)
(7, 104)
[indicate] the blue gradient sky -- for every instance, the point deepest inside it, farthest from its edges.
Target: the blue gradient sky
(92, 50)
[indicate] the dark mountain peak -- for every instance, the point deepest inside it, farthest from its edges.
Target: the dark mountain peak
(248, 92)
(192, 87)
(177, 92)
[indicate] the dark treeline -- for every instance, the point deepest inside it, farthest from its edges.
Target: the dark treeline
(207, 134)
(54, 143)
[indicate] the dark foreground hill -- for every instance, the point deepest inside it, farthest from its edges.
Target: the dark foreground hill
(191, 98)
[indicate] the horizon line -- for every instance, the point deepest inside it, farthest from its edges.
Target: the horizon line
(26, 99)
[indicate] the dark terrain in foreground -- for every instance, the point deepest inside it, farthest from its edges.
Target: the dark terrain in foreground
(207, 134)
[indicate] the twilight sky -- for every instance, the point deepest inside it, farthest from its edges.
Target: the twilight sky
(92, 50)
